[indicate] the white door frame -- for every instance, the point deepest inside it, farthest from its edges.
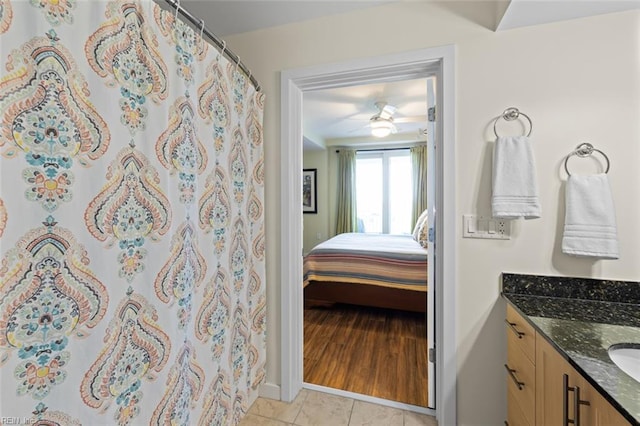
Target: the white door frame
(432, 136)
(396, 67)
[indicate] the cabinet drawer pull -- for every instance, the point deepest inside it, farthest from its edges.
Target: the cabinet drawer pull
(577, 402)
(512, 325)
(512, 373)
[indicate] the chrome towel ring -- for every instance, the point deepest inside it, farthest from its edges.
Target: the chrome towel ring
(583, 150)
(511, 114)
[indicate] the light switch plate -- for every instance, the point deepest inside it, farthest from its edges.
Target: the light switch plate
(486, 227)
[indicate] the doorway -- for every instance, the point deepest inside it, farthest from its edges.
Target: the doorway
(397, 67)
(362, 346)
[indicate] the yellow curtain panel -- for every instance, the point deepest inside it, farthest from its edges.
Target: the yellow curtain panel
(346, 220)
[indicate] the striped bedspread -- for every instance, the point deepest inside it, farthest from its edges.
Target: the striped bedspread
(379, 259)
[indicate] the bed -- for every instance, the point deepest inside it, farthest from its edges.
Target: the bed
(381, 270)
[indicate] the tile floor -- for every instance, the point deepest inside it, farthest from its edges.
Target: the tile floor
(319, 408)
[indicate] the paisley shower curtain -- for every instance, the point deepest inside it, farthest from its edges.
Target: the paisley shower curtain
(131, 220)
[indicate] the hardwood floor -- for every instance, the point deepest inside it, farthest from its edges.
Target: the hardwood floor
(377, 352)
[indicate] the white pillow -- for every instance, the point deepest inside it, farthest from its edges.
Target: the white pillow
(416, 229)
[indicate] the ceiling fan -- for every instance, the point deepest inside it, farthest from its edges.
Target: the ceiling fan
(383, 123)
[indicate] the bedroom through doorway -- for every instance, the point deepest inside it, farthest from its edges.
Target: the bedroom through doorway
(365, 320)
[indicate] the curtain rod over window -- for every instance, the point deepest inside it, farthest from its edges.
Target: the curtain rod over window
(220, 44)
(381, 149)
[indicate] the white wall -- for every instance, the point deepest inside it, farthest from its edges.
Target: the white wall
(578, 80)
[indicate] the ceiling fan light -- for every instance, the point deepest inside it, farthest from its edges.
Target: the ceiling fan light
(381, 128)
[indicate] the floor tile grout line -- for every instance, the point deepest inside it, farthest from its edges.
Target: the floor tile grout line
(304, 399)
(353, 403)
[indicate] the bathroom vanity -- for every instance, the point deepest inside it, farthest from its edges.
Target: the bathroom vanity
(572, 350)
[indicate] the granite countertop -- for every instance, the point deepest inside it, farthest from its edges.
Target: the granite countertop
(582, 318)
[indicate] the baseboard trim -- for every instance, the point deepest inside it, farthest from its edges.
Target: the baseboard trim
(269, 391)
(372, 399)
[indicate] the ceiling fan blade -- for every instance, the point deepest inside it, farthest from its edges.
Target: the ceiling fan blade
(414, 119)
(359, 117)
(387, 111)
(359, 129)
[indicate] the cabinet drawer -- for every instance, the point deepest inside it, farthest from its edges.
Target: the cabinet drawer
(521, 381)
(515, 415)
(520, 333)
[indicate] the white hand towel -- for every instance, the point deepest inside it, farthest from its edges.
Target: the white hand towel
(515, 187)
(590, 218)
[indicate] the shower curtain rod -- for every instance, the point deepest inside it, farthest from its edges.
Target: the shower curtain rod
(198, 24)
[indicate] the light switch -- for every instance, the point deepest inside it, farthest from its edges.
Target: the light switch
(471, 225)
(492, 226)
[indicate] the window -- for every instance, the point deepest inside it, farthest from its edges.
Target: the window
(383, 191)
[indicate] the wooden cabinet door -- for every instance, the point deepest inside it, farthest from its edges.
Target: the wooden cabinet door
(599, 412)
(550, 369)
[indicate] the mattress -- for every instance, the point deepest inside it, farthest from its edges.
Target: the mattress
(386, 260)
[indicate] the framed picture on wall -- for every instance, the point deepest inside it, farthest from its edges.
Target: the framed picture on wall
(309, 191)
